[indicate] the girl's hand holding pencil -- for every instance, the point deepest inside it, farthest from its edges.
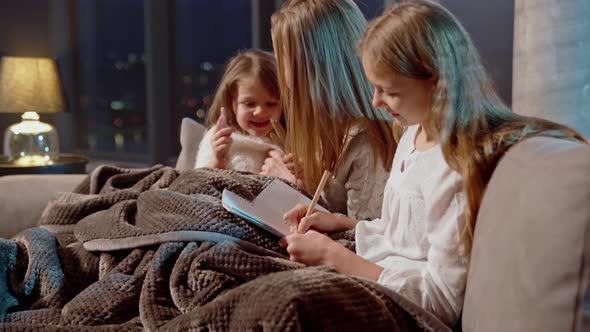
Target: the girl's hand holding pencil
(323, 222)
(311, 248)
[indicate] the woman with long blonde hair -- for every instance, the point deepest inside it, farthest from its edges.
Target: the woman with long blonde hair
(331, 124)
(427, 74)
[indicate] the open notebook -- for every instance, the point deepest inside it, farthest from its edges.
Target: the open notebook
(268, 208)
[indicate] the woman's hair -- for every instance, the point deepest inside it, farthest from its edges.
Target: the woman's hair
(324, 90)
(252, 63)
(422, 40)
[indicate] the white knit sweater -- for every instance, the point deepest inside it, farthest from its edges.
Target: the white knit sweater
(247, 153)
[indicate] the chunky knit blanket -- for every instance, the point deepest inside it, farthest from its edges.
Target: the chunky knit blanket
(154, 250)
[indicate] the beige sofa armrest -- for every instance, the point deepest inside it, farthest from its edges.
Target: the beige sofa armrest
(23, 198)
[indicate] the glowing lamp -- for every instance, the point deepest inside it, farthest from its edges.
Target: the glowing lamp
(30, 86)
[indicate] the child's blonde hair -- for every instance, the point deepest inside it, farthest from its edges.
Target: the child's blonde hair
(327, 92)
(251, 63)
(422, 40)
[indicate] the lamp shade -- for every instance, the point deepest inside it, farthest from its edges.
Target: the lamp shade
(30, 85)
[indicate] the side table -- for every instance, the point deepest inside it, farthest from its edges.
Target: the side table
(64, 164)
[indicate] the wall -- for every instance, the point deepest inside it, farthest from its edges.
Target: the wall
(26, 30)
(23, 31)
(552, 61)
(490, 24)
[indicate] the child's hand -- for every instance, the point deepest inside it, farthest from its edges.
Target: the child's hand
(295, 165)
(220, 143)
(319, 221)
(222, 121)
(275, 166)
(311, 248)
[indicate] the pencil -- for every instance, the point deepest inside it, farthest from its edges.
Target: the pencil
(326, 176)
(318, 192)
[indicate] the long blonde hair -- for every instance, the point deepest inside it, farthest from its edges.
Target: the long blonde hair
(324, 90)
(252, 64)
(422, 40)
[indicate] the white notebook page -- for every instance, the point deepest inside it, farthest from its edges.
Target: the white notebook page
(268, 208)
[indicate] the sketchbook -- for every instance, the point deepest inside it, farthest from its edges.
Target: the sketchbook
(267, 209)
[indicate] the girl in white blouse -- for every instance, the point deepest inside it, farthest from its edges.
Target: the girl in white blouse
(428, 76)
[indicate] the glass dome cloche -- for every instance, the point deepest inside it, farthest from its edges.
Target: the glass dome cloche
(31, 142)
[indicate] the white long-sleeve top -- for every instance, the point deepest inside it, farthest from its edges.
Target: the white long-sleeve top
(417, 238)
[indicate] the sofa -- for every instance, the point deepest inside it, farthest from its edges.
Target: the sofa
(23, 197)
(530, 264)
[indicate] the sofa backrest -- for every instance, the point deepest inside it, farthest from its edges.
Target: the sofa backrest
(530, 264)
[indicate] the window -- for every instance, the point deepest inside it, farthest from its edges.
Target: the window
(140, 66)
(207, 33)
(112, 76)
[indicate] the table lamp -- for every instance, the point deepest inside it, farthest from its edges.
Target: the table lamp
(30, 86)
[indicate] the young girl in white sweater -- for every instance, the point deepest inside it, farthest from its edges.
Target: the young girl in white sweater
(246, 102)
(427, 74)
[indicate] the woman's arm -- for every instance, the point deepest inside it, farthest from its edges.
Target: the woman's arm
(347, 262)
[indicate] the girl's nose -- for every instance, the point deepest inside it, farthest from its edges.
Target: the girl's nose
(259, 110)
(377, 101)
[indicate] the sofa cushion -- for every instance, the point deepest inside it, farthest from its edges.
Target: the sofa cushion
(23, 198)
(191, 133)
(531, 252)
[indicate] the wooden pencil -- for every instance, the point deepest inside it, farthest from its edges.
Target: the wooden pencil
(327, 174)
(318, 192)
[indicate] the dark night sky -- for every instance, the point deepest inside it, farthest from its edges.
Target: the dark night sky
(206, 30)
(211, 30)
(111, 25)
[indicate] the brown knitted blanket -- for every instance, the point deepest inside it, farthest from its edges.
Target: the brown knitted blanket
(152, 249)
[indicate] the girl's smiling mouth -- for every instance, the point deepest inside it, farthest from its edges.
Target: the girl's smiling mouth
(259, 124)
